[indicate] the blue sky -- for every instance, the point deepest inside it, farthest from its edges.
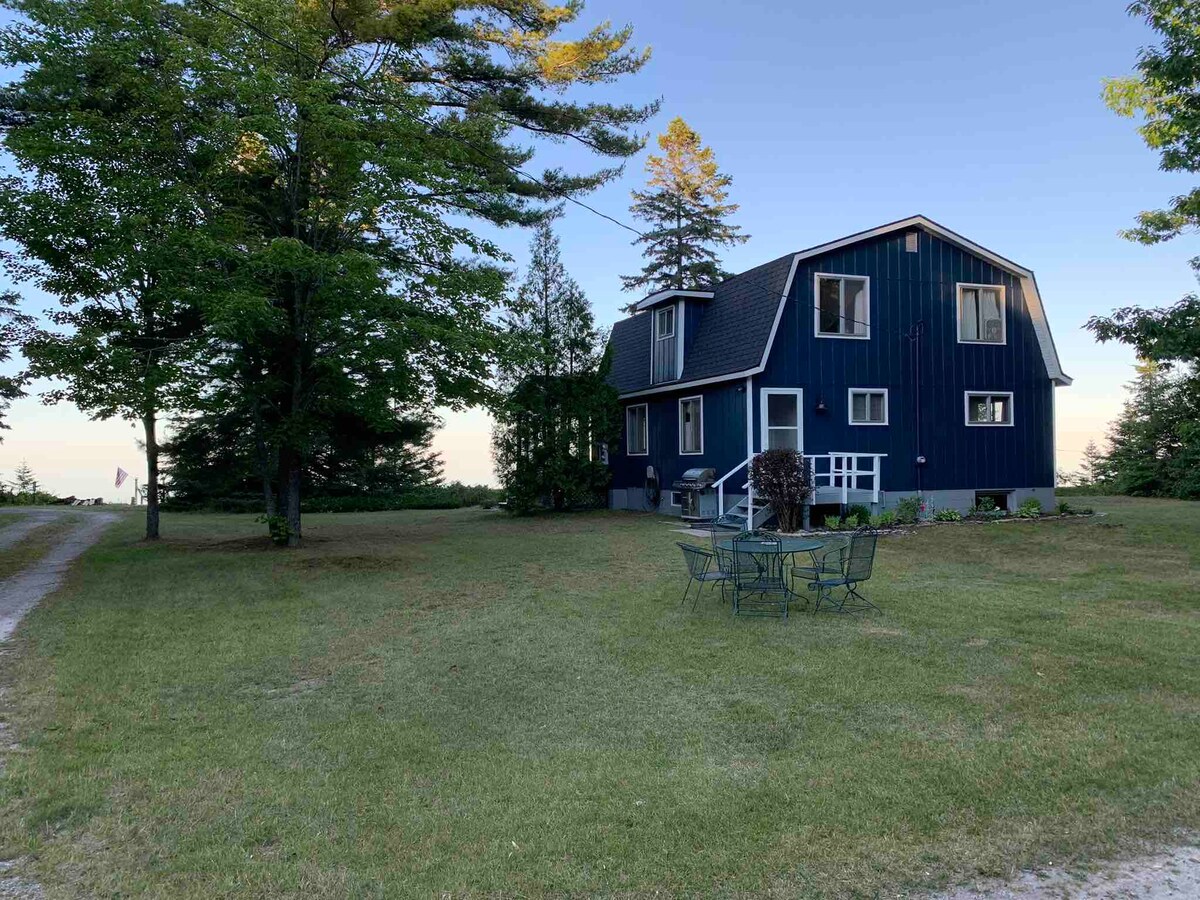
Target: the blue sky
(833, 118)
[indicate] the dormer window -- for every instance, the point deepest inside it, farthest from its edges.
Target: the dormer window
(665, 363)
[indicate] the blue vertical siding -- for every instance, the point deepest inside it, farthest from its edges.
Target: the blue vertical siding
(907, 289)
(724, 436)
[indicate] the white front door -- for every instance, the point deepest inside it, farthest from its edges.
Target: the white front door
(782, 418)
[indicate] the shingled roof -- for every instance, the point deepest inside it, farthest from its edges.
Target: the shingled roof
(731, 337)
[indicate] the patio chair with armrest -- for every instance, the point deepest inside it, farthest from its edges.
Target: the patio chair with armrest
(857, 564)
(701, 571)
(758, 576)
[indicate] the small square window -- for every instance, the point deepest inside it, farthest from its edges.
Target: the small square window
(981, 314)
(868, 407)
(990, 409)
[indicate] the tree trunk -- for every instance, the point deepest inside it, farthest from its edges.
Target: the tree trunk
(289, 492)
(148, 425)
(264, 463)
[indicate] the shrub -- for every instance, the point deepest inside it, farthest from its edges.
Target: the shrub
(1064, 509)
(947, 515)
(857, 514)
(885, 519)
(784, 479)
(908, 510)
(1030, 508)
(833, 523)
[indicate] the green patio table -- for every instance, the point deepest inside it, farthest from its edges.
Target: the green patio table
(788, 546)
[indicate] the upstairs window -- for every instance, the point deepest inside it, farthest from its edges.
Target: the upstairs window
(691, 425)
(664, 363)
(637, 430)
(981, 314)
(843, 307)
(990, 409)
(868, 407)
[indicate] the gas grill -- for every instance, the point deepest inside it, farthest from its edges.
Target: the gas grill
(697, 496)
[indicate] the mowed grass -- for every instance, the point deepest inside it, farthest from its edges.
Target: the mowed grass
(459, 704)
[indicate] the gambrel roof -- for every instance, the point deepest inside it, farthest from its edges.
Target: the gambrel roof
(734, 335)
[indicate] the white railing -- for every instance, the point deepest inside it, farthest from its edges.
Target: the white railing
(719, 484)
(842, 472)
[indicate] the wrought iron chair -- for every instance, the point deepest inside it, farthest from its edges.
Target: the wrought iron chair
(722, 527)
(700, 572)
(857, 563)
(758, 573)
(826, 562)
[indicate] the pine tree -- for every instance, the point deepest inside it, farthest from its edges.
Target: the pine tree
(556, 406)
(1092, 468)
(686, 206)
(24, 480)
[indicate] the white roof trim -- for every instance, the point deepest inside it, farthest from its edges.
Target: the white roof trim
(667, 295)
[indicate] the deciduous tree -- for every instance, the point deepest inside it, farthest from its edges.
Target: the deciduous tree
(112, 143)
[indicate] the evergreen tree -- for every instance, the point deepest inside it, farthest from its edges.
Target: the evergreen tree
(377, 135)
(13, 325)
(1154, 446)
(24, 481)
(556, 407)
(1092, 467)
(686, 207)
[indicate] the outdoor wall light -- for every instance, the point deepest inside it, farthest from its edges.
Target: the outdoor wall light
(821, 407)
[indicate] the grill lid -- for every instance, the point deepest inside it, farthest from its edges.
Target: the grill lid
(696, 479)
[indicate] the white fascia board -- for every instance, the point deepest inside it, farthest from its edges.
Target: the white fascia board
(655, 299)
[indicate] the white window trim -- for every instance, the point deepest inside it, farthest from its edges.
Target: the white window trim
(958, 312)
(658, 335)
(763, 428)
(1012, 409)
(676, 498)
(887, 405)
(683, 400)
(646, 419)
(817, 276)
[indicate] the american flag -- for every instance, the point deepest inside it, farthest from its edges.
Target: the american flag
(121, 476)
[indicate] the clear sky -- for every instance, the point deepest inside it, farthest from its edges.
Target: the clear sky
(833, 118)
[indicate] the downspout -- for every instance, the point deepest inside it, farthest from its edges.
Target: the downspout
(914, 334)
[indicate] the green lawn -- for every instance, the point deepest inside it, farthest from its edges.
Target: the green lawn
(459, 704)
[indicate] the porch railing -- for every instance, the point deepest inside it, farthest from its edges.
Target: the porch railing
(839, 472)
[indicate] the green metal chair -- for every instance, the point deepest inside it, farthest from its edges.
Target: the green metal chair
(857, 564)
(759, 581)
(700, 572)
(826, 561)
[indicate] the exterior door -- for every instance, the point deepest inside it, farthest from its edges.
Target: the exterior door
(782, 417)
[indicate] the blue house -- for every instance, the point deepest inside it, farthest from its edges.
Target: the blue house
(901, 360)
